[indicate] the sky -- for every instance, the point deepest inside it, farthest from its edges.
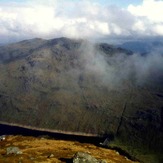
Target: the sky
(86, 19)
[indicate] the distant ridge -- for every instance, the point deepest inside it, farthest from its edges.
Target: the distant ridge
(50, 130)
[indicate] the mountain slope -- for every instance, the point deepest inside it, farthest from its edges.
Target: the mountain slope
(74, 85)
(40, 149)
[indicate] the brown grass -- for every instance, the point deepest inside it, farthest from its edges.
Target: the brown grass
(37, 150)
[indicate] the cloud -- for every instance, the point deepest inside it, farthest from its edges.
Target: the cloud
(151, 9)
(79, 19)
(149, 17)
(115, 71)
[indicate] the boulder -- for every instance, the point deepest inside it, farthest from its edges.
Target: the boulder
(13, 150)
(51, 155)
(82, 157)
(2, 137)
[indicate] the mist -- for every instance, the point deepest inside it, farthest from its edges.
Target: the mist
(115, 70)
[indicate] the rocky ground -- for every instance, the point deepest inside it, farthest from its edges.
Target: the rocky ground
(26, 149)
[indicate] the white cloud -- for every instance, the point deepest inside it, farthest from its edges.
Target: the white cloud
(158, 29)
(81, 19)
(151, 9)
(139, 26)
(149, 17)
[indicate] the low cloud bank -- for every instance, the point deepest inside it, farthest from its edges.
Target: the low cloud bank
(115, 70)
(79, 19)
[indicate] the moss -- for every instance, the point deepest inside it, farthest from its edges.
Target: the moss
(136, 151)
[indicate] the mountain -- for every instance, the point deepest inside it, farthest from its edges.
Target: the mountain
(77, 86)
(142, 46)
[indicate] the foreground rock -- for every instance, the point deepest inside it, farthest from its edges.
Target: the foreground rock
(2, 137)
(13, 150)
(82, 157)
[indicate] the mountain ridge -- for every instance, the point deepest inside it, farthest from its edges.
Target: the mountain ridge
(75, 85)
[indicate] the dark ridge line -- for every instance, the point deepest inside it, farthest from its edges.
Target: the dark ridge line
(16, 129)
(50, 130)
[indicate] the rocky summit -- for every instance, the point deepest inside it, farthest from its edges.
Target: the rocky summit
(78, 86)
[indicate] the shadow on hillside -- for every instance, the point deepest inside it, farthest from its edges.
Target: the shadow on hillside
(66, 160)
(15, 130)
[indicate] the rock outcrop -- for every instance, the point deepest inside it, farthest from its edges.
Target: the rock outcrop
(2, 137)
(13, 150)
(82, 157)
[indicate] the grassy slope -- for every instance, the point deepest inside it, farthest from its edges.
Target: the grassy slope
(50, 88)
(38, 149)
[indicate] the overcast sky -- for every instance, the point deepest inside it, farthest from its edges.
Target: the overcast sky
(91, 19)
